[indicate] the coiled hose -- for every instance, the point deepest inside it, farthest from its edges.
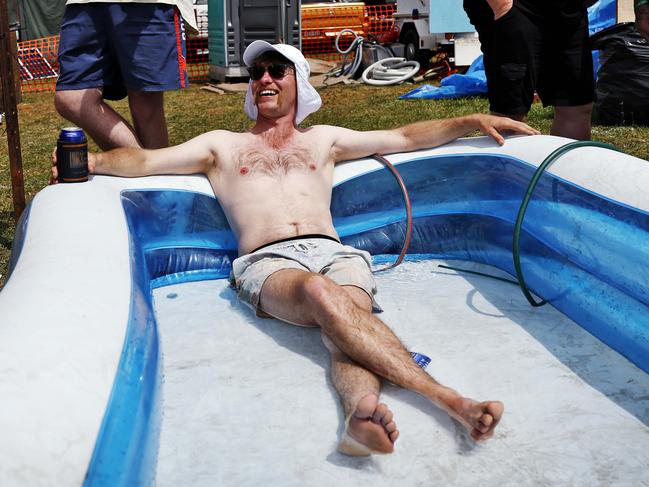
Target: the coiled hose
(356, 47)
(388, 71)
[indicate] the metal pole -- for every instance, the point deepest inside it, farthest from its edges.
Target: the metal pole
(11, 113)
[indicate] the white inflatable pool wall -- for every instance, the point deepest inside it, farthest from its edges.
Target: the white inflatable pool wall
(64, 309)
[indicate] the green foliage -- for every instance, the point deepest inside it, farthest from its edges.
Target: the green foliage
(194, 111)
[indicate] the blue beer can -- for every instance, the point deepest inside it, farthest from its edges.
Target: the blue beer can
(72, 155)
(420, 359)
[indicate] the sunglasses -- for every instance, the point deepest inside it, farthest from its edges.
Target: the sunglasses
(276, 71)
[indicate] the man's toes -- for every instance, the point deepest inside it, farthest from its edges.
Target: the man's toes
(390, 427)
(484, 429)
(487, 419)
(380, 412)
(387, 418)
(382, 415)
(495, 409)
(484, 423)
(394, 435)
(372, 437)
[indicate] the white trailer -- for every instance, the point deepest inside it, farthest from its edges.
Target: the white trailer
(427, 26)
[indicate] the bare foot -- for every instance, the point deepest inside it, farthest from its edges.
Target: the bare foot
(480, 418)
(369, 429)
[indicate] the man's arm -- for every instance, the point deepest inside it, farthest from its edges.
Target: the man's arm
(351, 144)
(197, 155)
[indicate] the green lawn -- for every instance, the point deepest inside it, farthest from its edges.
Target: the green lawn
(194, 111)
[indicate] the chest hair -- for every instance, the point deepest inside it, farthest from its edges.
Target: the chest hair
(274, 161)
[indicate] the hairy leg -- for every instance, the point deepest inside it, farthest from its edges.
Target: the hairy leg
(311, 299)
(87, 109)
(573, 122)
(147, 110)
(369, 427)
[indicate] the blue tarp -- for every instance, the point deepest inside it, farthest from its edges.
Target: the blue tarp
(601, 15)
(474, 82)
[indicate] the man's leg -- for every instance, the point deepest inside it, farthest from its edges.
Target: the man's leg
(87, 109)
(367, 421)
(147, 110)
(567, 81)
(511, 54)
(572, 122)
(311, 299)
(152, 60)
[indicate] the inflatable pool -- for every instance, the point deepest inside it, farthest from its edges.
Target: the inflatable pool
(126, 359)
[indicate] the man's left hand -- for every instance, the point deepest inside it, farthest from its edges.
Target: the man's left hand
(494, 126)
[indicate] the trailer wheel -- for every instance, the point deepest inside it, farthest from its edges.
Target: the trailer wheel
(411, 45)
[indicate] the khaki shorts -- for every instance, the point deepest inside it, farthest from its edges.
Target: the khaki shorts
(342, 264)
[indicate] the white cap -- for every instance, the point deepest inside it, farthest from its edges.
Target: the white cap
(308, 99)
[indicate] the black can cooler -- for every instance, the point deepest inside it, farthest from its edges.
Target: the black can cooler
(72, 155)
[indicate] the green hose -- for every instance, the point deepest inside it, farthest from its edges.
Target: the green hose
(526, 200)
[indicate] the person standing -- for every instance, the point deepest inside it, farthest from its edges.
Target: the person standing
(110, 50)
(542, 47)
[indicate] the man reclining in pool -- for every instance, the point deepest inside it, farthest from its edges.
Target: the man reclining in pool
(274, 183)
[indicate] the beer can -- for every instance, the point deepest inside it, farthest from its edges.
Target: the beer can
(72, 155)
(420, 359)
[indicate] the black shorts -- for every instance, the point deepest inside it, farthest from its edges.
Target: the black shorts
(544, 51)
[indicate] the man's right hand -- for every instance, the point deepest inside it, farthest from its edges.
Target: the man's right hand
(54, 171)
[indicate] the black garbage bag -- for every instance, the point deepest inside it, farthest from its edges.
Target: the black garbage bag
(623, 76)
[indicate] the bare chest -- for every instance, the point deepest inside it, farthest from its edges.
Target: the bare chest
(257, 160)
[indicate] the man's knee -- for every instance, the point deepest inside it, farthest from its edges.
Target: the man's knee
(319, 290)
(326, 298)
(65, 103)
(70, 103)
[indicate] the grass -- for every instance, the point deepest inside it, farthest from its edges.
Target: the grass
(194, 111)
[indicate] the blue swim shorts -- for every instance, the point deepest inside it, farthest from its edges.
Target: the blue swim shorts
(120, 46)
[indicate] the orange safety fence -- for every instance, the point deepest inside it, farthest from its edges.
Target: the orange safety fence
(380, 23)
(320, 26)
(39, 54)
(39, 66)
